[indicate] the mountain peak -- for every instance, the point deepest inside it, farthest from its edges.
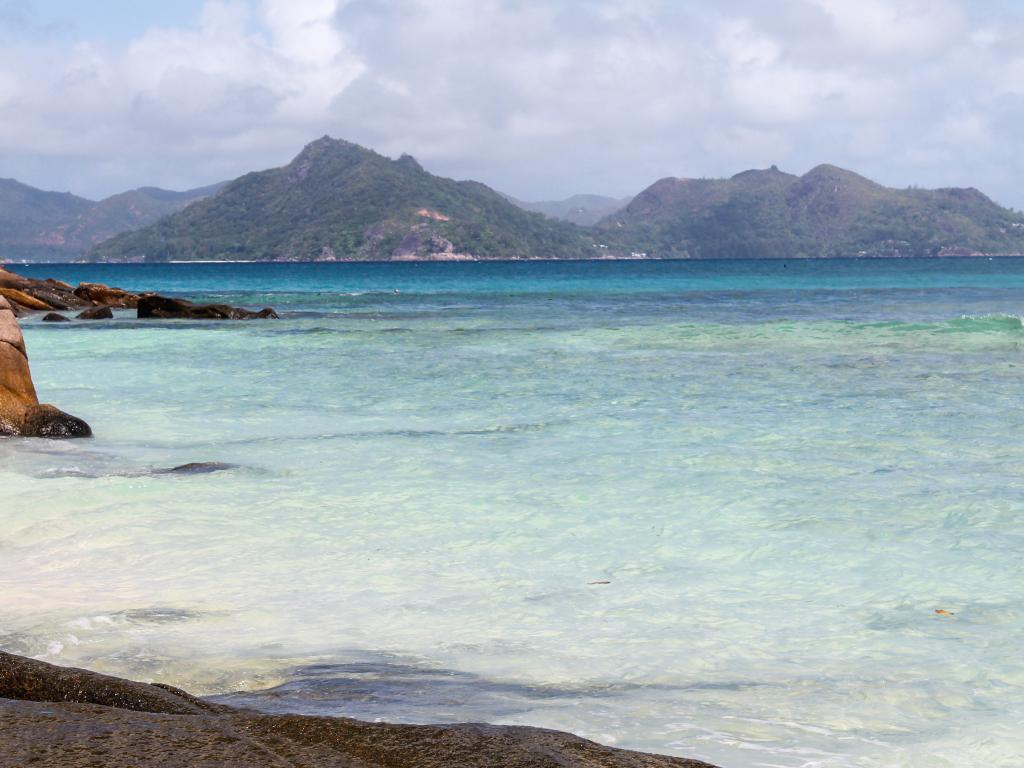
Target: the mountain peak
(770, 175)
(326, 146)
(408, 161)
(833, 173)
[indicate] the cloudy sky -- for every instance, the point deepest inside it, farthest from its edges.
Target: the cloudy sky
(538, 98)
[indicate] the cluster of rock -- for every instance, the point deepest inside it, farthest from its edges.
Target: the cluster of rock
(95, 301)
(152, 305)
(56, 716)
(21, 413)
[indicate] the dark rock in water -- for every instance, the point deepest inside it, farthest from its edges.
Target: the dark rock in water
(197, 468)
(53, 716)
(96, 313)
(21, 414)
(54, 317)
(47, 421)
(164, 307)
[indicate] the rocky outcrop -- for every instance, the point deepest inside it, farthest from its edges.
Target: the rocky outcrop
(24, 300)
(26, 294)
(53, 716)
(96, 300)
(162, 307)
(420, 244)
(20, 411)
(104, 295)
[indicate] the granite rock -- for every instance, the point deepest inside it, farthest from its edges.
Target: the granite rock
(53, 716)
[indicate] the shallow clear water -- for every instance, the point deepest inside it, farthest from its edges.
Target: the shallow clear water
(782, 470)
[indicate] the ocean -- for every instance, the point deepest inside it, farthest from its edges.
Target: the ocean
(710, 509)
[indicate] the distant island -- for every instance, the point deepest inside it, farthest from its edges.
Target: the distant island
(338, 201)
(36, 225)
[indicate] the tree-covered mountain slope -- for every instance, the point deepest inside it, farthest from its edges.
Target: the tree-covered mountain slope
(337, 200)
(39, 225)
(828, 212)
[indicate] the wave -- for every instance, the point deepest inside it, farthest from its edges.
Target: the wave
(986, 323)
(997, 323)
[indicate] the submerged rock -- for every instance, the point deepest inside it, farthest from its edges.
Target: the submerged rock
(56, 716)
(164, 307)
(197, 468)
(54, 317)
(96, 313)
(21, 414)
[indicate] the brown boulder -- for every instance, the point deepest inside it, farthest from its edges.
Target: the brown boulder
(54, 317)
(96, 313)
(54, 716)
(56, 297)
(20, 411)
(11, 280)
(105, 295)
(152, 305)
(23, 299)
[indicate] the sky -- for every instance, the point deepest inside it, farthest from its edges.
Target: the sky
(537, 98)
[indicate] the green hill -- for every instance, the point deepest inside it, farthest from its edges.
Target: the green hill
(37, 225)
(337, 200)
(33, 223)
(828, 212)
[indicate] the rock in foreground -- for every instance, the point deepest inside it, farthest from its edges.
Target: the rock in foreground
(21, 414)
(55, 716)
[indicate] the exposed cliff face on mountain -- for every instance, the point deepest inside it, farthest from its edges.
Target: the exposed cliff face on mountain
(337, 200)
(39, 225)
(828, 212)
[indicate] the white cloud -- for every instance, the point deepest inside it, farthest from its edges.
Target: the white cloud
(900, 27)
(537, 98)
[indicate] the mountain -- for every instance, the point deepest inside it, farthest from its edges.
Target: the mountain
(337, 200)
(583, 210)
(38, 225)
(32, 221)
(828, 212)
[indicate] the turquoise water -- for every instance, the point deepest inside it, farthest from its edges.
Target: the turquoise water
(782, 470)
